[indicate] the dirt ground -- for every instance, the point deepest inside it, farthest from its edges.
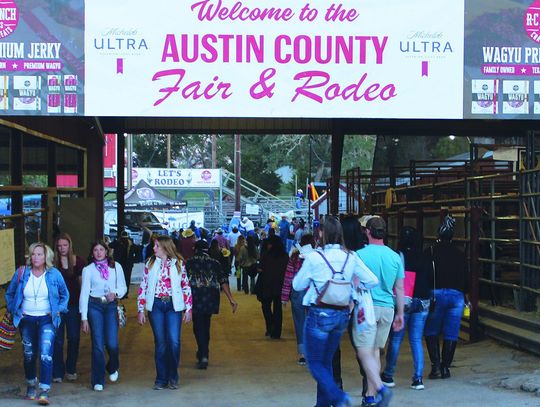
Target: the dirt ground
(248, 369)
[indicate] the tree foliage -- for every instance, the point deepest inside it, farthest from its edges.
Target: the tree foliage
(261, 154)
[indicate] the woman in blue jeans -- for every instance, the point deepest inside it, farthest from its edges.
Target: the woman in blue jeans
(71, 267)
(325, 324)
(35, 298)
(416, 311)
(307, 243)
(448, 274)
(166, 294)
(103, 283)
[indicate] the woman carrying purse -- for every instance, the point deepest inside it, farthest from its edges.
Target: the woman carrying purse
(36, 297)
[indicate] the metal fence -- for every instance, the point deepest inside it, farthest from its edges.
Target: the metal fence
(498, 226)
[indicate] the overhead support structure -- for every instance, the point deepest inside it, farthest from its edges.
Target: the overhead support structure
(237, 172)
(120, 181)
(338, 139)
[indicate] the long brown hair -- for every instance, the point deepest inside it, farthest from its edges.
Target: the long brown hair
(332, 231)
(70, 256)
(167, 244)
(101, 242)
(239, 244)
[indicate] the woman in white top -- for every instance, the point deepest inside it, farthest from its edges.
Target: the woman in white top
(103, 283)
(35, 298)
(325, 323)
(165, 293)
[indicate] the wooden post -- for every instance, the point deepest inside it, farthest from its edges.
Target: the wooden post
(168, 151)
(338, 139)
(120, 178)
(420, 225)
(237, 172)
(16, 168)
(474, 272)
(214, 150)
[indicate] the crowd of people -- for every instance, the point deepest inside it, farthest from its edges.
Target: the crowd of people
(383, 292)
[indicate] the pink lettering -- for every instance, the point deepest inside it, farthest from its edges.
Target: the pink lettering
(211, 48)
(193, 90)
(304, 49)
(279, 56)
(209, 10)
(170, 50)
(315, 87)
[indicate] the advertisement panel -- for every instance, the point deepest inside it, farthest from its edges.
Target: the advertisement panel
(176, 178)
(233, 58)
(230, 58)
(502, 59)
(41, 57)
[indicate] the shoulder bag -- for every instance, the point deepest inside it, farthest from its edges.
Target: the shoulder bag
(7, 329)
(120, 308)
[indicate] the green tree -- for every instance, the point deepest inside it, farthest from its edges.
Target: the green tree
(261, 154)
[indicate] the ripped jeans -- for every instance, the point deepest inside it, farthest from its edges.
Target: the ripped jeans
(37, 335)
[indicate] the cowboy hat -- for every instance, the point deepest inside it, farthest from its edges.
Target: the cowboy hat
(187, 233)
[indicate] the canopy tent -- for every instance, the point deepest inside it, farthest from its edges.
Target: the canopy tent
(143, 195)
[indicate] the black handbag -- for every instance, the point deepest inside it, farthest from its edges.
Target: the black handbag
(252, 270)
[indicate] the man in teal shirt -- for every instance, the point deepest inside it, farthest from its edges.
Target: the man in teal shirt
(388, 268)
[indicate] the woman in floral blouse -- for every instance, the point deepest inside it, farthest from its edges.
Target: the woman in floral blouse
(206, 277)
(165, 293)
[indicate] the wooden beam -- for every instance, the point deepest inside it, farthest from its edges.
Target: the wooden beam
(338, 139)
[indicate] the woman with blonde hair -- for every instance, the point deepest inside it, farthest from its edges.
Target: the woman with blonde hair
(35, 298)
(103, 283)
(165, 293)
(70, 266)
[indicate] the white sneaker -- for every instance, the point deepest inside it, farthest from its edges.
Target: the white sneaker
(113, 376)
(71, 377)
(57, 380)
(98, 387)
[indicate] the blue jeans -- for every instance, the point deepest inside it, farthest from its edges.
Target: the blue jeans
(446, 317)
(322, 333)
(71, 323)
(166, 324)
(37, 335)
(415, 322)
(104, 328)
(299, 317)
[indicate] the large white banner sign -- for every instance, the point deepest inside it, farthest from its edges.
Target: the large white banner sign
(229, 58)
(176, 178)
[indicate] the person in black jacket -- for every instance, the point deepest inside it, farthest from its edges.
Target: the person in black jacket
(448, 278)
(272, 272)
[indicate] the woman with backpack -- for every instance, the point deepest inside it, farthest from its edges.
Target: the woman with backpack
(326, 322)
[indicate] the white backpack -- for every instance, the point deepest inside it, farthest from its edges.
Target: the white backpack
(335, 292)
